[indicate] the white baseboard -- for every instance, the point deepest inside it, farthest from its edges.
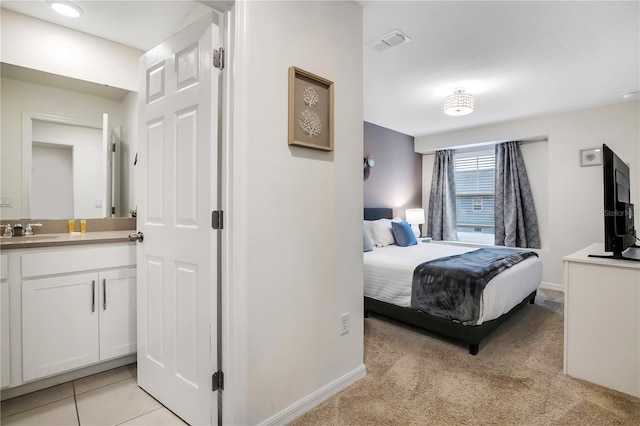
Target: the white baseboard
(551, 286)
(321, 395)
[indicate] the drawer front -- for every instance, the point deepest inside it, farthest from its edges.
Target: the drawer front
(72, 260)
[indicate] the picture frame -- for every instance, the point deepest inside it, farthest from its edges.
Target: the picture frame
(590, 157)
(310, 110)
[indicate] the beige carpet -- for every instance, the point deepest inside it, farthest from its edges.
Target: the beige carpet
(516, 379)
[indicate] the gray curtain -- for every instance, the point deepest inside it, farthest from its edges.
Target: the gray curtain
(515, 214)
(441, 223)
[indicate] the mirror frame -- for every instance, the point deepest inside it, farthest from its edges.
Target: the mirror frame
(27, 140)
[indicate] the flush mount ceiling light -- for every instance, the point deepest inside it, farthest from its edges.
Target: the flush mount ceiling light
(66, 8)
(459, 103)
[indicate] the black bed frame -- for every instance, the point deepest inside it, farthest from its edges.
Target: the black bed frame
(468, 334)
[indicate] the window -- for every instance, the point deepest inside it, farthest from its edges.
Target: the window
(474, 173)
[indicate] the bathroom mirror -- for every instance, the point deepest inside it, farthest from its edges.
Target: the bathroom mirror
(69, 167)
(58, 136)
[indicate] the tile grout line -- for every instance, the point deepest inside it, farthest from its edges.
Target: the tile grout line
(41, 405)
(102, 386)
(143, 414)
(75, 394)
(35, 408)
(75, 401)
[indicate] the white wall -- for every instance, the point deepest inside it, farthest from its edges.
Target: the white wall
(295, 221)
(32, 43)
(570, 211)
(19, 96)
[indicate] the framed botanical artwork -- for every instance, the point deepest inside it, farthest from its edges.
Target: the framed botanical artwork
(310, 110)
(590, 157)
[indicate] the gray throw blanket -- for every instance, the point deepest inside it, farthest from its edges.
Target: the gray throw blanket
(450, 287)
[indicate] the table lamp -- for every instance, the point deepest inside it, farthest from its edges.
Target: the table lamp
(415, 217)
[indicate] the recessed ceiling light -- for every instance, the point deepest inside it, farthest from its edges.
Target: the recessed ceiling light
(66, 8)
(630, 95)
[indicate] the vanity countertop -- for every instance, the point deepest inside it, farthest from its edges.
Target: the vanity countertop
(64, 239)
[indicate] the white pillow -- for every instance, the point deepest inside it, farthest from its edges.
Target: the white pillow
(367, 243)
(380, 232)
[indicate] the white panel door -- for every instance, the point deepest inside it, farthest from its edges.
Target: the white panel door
(117, 307)
(177, 177)
(59, 324)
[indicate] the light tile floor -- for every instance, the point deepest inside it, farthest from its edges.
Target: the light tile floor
(109, 398)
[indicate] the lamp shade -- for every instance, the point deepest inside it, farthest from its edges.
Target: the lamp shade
(414, 216)
(459, 103)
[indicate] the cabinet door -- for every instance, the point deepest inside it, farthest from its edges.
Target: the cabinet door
(117, 313)
(4, 334)
(59, 324)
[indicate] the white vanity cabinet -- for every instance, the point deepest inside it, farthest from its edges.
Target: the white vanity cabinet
(5, 374)
(70, 321)
(117, 313)
(78, 307)
(59, 324)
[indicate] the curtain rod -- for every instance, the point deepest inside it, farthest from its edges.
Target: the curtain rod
(481, 144)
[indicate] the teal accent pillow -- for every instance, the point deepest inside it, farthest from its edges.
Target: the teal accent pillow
(403, 234)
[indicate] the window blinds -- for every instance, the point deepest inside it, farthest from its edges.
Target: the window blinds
(474, 173)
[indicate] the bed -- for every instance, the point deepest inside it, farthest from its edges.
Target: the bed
(388, 274)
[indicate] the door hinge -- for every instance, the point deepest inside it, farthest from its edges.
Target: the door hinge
(218, 58)
(217, 381)
(113, 147)
(217, 219)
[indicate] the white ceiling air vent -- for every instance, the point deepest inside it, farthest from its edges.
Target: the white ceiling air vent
(389, 40)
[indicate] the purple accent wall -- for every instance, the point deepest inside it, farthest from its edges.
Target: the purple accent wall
(396, 179)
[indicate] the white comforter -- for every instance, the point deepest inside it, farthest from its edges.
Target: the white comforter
(388, 273)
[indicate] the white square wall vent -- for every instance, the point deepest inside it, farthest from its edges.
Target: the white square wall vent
(389, 40)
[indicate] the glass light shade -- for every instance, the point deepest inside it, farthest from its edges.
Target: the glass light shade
(414, 216)
(66, 8)
(459, 103)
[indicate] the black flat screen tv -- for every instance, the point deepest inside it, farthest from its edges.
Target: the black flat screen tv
(619, 231)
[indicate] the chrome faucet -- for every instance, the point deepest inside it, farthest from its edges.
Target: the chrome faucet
(8, 230)
(29, 230)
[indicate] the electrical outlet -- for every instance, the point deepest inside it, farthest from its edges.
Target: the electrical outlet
(344, 323)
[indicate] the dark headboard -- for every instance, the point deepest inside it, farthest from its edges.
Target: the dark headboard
(375, 213)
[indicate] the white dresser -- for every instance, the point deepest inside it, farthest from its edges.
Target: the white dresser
(602, 320)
